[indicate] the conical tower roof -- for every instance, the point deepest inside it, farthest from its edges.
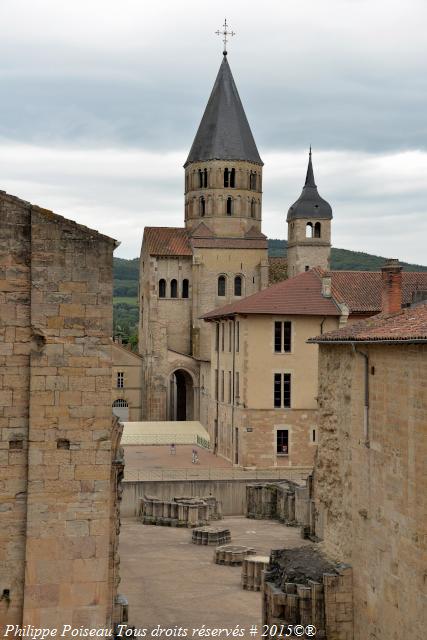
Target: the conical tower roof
(224, 132)
(310, 204)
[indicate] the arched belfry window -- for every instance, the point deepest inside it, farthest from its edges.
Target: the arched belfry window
(226, 178)
(205, 178)
(253, 208)
(229, 206)
(317, 229)
(252, 181)
(174, 288)
(309, 230)
(185, 288)
(162, 288)
(238, 286)
(221, 285)
(202, 206)
(200, 179)
(233, 178)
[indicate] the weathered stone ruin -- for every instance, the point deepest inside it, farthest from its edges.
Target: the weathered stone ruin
(252, 572)
(232, 554)
(285, 501)
(301, 587)
(60, 459)
(179, 512)
(211, 536)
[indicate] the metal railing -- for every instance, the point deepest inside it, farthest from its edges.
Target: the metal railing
(145, 439)
(296, 474)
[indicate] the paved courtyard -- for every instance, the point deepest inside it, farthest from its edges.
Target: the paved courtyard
(152, 457)
(170, 581)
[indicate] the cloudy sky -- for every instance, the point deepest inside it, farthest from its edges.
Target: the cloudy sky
(100, 101)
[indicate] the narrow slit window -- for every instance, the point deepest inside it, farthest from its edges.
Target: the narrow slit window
(185, 288)
(205, 178)
(202, 206)
(217, 337)
(230, 340)
(238, 286)
(226, 177)
(237, 336)
(233, 178)
(200, 179)
(229, 206)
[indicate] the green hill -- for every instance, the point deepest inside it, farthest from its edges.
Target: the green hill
(126, 274)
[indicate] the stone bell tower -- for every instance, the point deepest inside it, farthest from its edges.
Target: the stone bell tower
(309, 229)
(223, 171)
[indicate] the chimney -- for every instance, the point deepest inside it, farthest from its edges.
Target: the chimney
(391, 292)
(326, 286)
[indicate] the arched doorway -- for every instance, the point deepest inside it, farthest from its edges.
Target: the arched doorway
(181, 396)
(121, 409)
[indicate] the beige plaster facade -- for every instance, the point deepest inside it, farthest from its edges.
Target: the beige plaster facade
(370, 481)
(60, 460)
(242, 419)
(126, 390)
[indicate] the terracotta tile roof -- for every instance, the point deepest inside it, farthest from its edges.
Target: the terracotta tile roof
(407, 325)
(167, 241)
(202, 231)
(278, 269)
(361, 290)
(229, 243)
(300, 295)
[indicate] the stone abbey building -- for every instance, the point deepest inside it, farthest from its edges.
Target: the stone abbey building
(218, 257)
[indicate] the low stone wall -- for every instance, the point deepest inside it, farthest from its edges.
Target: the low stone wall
(301, 587)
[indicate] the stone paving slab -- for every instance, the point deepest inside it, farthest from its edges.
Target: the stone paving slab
(169, 581)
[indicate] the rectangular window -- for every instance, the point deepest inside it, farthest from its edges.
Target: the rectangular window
(230, 339)
(237, 336)
(237, 389)
(277, 390)
(216, 384)
(313, 435)
(217, 337)
(282, 336)
(282, 390)
(282, 441)
(222, 336)
(229, 387)
(222, 386)
(287, 390)
(120, 380)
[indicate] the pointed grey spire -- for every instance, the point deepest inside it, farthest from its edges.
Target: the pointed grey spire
(310, 204)
(224, 132)
(309, 179)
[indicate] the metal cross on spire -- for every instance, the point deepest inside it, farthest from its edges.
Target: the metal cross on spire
(224, 33)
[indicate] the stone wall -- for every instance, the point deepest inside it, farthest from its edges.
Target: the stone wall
(371, 486)
(59, 489)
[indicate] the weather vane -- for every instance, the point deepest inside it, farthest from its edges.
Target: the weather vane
(224, 33)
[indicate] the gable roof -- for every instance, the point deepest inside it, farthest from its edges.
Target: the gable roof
(361, 290)
(224, 132)
(407, 325)
(167, 241)
(300, 295)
